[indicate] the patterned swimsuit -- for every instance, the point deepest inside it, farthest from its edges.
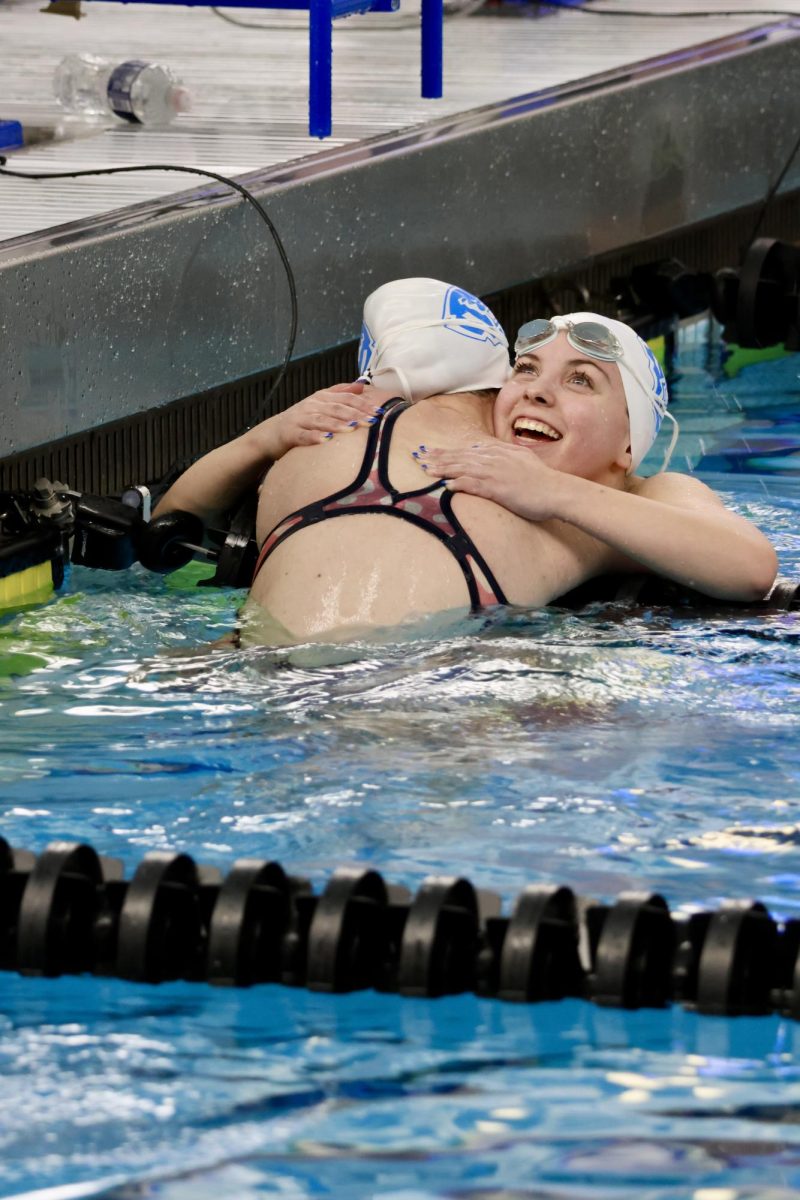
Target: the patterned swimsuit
(430, 508)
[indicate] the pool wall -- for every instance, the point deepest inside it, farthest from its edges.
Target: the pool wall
(149, 309)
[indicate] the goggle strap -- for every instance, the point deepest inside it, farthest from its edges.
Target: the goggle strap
(672, 441)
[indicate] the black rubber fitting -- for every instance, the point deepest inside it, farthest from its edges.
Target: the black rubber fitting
(61, 900)
(249, 921)
(539, 957)
(633, 957)
(345, 941)
(15, 867)
(737, 962)
(440, 939)
(785, 995)
(160, 544)
(160, 925)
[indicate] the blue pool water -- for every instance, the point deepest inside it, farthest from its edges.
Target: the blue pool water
(603, 750)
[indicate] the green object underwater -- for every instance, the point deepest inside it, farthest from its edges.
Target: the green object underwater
(739, 357)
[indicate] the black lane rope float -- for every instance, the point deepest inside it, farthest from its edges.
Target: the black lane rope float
(70, 911)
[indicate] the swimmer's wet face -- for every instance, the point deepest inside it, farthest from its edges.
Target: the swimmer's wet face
(606, 339)
(567, 407)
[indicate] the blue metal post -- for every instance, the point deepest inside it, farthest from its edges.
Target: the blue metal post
(320, 67)
(432, 20)
(321, 15)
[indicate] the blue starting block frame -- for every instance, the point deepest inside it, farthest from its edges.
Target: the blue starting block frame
(322, 14)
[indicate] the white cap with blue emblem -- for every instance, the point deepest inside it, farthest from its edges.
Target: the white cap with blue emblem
(424, 337)
(612, 341)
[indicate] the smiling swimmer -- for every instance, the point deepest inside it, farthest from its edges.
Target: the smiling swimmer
(610, 341)
(541, 493)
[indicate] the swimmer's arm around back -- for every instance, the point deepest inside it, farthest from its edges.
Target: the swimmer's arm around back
(670, 524)
(674, 525)
(212, 486)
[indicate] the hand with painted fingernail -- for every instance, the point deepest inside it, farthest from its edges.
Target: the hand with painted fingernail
(419, 457)
(509, 475)
(320, 416)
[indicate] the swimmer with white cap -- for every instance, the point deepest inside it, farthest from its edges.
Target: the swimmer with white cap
(531, 492)
(418, 341)
(609, 341)
(424, 337)
(588, 397)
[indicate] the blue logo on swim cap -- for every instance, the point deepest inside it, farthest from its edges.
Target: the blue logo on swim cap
(658, 384)
(471, 318)
(366, 349)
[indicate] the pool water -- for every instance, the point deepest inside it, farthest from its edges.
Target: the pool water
(601, 749)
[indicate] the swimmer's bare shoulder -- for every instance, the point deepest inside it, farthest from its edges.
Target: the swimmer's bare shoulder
(673, 487)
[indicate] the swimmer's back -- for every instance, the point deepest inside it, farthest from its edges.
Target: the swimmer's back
(339, 576)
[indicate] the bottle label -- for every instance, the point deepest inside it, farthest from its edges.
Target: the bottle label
(122, 80)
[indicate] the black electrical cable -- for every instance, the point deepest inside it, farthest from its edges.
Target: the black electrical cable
(204, 174)
(622, 12)
(772, 191)
(634, 12)
(246, 24)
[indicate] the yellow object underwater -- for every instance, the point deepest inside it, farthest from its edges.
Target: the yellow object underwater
(740, 357)
(32, 585)
(659, 347)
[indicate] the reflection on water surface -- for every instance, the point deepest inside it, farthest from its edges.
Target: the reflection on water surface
(603, 749)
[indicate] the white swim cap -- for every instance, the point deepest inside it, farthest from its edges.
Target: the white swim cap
(642, 380)
(422, 337)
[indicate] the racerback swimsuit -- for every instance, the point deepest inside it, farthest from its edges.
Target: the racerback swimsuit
(430, 508)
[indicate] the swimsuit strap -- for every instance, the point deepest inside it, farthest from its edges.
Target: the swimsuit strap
(429, 507)
(309, 514)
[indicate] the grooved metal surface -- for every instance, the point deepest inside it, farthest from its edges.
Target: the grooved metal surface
(250, 86)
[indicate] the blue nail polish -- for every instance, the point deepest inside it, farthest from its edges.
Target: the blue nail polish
(424, 466)
(380, 411)
(424, 449)
(371, 421)
(328, 435)
(353, 424)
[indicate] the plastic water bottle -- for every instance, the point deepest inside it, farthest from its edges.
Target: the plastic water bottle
(144, 93)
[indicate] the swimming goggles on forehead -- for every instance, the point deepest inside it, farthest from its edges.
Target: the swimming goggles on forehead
(589, 337)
